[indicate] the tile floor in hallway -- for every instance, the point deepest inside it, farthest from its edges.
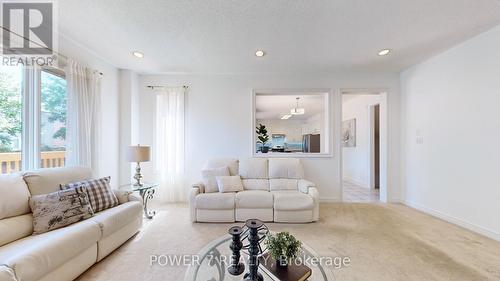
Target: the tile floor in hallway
(356, 193)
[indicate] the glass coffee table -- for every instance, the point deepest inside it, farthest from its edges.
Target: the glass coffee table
(214, 259)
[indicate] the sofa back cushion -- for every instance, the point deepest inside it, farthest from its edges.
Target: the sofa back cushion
(48, 180)
(285, 168)
(255, 184)
(254, 168)
(283, 184)
(14, 196)
(229, 184)
(209, 178)
(231, 163)
(15, 217)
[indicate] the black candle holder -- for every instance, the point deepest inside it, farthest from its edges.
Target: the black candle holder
(236, 267)
(254, 231)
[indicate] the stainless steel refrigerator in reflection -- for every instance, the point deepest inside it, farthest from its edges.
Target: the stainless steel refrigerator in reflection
(311, 143)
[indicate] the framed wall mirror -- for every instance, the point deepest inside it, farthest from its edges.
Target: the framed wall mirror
(292, 123)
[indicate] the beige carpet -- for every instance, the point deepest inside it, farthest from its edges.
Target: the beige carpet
(384, 242)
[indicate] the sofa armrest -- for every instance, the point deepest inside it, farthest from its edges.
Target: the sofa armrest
(313, 192)
(192, 200)
(126, 196)
(304, 185)
(7, 273)
(200, 186)
(309, 188)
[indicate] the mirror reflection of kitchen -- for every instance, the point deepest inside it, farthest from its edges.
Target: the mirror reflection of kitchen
(287, 123)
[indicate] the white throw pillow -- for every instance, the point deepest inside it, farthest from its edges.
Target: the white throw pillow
(208, 176)
(229, 183)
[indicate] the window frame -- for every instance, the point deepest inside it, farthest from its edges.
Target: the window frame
(31, 115)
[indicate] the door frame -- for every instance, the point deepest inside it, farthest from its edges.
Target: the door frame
(383, 137)
(371, 128)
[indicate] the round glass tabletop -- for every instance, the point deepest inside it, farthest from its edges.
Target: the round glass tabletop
(214, 259)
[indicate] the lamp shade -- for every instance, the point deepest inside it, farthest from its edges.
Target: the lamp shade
(139, 153)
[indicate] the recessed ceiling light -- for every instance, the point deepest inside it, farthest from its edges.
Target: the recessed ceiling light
(260, 53)
(138, 54)
(384, 52)
(286, 116)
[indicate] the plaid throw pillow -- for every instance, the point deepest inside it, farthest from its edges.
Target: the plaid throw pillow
(99, 191)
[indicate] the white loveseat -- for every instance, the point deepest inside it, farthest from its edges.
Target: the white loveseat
(274, 190)
(64, 253)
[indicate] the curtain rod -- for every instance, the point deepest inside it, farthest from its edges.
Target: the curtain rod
(152, 87)
(36, 43)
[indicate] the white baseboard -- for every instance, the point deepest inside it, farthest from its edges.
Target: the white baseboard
(470, 226)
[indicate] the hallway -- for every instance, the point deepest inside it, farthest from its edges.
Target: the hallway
(354, 193)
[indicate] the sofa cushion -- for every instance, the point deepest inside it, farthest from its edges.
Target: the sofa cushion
(34, 256)
(229, 183)
(256, 184)
(48, 180)
(14, 196)
(283, 184)
(113, 219)
(59, 209)
(99, 192)
(231, 163)
(215, 201)
(285, 168)
(254, 168)
(254, 199)
(292, 201)
(209, 178)
(14, 228)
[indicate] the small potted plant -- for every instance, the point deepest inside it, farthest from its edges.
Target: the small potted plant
(283, 248)
(263, 138)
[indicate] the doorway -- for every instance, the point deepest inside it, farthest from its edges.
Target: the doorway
(375, 143)
(361, 146)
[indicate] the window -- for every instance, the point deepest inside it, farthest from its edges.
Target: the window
(32, 118)
(52, 119)
(11, 109)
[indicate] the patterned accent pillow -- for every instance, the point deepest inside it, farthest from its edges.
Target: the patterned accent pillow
(59, 209)
(99, 191)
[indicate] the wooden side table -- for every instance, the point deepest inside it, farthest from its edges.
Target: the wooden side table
(146, 191)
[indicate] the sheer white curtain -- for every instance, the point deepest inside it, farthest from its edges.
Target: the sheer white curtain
(83, 117)
(169, 144)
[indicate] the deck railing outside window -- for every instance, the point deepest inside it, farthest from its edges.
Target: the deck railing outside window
(10, 162)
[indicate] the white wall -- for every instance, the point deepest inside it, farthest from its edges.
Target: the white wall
(356, 160)
(451, 134)
(108, 162)
(129, 121)
(218, 119)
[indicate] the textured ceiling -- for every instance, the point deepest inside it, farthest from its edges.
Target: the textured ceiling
(221, 36)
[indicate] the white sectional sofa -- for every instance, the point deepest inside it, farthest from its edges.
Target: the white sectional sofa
(64, 253)
(274, 190)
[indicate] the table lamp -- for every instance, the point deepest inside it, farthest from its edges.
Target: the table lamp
(138, 154)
